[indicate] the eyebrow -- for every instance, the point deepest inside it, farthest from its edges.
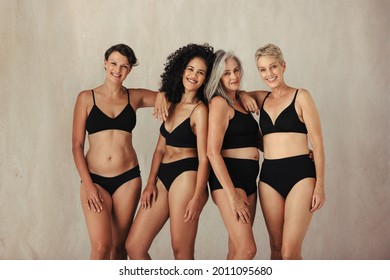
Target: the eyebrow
(125, 64)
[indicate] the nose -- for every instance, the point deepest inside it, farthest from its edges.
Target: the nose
(233, 76)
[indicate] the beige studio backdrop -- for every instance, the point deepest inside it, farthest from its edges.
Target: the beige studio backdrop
(50, 50)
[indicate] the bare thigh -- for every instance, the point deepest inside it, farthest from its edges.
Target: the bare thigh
(183, 234)
(98, 223)
(297, 212)
(272, 205)
(124, 204)
(239, 232)
(148, 223)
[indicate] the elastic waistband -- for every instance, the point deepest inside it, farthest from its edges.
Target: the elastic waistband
(293, 157)
(240, 159)
(180, 160)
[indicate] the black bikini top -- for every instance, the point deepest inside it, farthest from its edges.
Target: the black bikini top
(182, 136)
(242, 132)
(287, 121)
(99, 121)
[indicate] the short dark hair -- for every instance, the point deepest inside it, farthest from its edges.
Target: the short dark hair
(124, 50)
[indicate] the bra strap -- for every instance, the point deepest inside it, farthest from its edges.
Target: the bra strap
(93, 96)
(295, 96)
(128, 95)
(262, 105)
(194, 109)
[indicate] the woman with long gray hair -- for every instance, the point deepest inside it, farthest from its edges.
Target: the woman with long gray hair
(232, 149)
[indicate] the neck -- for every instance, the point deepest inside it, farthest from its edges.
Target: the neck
(279, 91)
(112, 89)
(232, 95)
(188, 97)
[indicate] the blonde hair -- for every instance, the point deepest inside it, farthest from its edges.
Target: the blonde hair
(270, 50)
(214, 86)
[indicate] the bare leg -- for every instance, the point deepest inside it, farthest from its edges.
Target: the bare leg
(125, 200)
(183, 234)
(99, 225)
(272, 205)
(297, 218)
(243, 246)
(146, 226)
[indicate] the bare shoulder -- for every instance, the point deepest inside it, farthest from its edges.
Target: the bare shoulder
(85, 97)
(218, 102)
(200, 111)
(200, 108)
(304, 99)
(304, 95)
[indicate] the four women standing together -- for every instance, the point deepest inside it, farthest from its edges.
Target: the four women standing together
(223, 134)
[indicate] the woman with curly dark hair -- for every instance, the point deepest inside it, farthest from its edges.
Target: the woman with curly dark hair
(176, 187)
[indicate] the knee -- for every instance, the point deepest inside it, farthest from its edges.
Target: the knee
(131, 248)
(101, 251)
(247, 251)
(290, 252)
(251, 251)
(276, 247)
(118, 252)
(135, 250)
(182, 252)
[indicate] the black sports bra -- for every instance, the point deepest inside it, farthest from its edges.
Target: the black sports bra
(99, 121)
(287, 121)
(242, 132)
(182, 136)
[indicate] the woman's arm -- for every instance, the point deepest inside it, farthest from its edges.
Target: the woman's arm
(219, 116)
(161, 107)
(149, 194)
(148, 98)
(200, 119)
(312, 120)
(78, 140)
(252, 100)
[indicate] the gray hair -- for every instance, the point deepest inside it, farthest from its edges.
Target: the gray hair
(214, 86)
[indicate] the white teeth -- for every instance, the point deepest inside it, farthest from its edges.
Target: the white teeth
(271, 79)
(192, 81)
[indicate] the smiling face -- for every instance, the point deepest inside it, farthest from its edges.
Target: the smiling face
(231, 77)
(117, 67)
(194, 74)
(271, 71)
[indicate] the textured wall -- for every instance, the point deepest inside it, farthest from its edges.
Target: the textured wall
(51, 50)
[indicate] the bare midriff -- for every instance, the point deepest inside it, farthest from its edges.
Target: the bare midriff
(241, 153)
(175, 153)
(282, 145)
(111, 153)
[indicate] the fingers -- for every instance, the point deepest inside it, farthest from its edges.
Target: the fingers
(187, 216)
(251, 106)
(95, 204)
(244, 216)
(243, 213)
(316, 204)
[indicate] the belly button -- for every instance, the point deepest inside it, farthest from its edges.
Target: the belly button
(110, 157)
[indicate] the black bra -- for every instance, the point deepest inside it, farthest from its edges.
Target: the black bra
(287, 121)
(182, 136)
(242, 132)
(99, 121)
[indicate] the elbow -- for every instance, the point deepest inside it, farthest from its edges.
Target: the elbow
(76, 147)
(212, 154)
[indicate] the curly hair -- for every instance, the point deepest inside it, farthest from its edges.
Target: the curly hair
(171, 79)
